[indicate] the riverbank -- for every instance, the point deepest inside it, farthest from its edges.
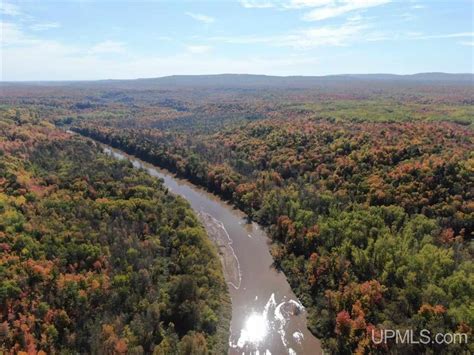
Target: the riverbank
(261, 320)
(219, 236)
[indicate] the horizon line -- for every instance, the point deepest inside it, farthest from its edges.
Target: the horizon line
(233, 74)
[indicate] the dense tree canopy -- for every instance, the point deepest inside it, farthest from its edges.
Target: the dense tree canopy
(371, 222)
(96, 257)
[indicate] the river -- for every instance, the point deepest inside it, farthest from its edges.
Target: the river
(267, 317)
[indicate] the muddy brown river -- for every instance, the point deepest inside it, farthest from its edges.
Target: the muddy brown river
(267, 318)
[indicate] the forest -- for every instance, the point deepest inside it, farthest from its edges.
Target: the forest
(97, 257)
(371, 223)
(366, 191)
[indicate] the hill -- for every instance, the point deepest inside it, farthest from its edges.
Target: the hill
(263, 81)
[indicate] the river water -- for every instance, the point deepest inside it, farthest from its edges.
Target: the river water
(267, 318)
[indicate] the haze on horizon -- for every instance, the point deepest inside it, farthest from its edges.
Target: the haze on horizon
(86, 40)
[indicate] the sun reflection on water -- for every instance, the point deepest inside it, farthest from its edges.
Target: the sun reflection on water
(255, 329)
(265, 329)
(256, 326)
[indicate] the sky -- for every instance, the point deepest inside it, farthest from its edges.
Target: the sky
(105, 39)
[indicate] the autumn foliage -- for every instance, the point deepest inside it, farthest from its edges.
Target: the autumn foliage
(95, 255)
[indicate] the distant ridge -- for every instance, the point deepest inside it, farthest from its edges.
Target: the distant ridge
(434, 76)
(250, 81)
(263, 81)
(256, 79)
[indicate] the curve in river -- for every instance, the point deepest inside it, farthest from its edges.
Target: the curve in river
(267, 318)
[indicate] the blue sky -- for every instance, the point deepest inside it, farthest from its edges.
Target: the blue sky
(82, 39)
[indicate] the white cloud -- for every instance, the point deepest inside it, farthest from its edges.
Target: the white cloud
(325, 36)
(308, 3)
(12, 35)
(443, 35)
(355, 30)
(16, 44)
(198, 49)
(201, 18)
(58, 64)
(44, 26)
(318, 9)
(308, 38)
(9, 9)
(23, 54)
(340, 8)
(108, 47)
(257, 4)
